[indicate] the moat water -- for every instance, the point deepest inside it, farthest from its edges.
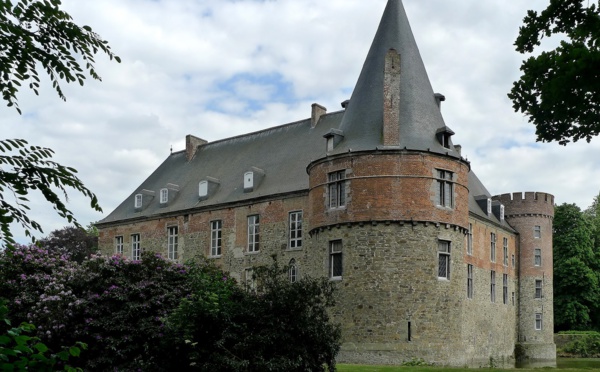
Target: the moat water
(585, 363)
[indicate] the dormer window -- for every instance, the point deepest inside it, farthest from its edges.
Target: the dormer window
(501, 212)
(203, 189)
(443, 136)
(138, 200)
(333, 137)
(253, 178)
(489, 206)
(164, 196)
(207, 188)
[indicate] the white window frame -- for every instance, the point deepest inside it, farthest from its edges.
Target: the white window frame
(493, 286)
(493, 247)
(253, 233)
(537, 231)
(337, 189)
(537, 257)
(293, 271)
(444, 250)
(216, 231)
(119, 245)
(538, 321)
(469, 281)
(336, 259)
(172, 242)
(445, 188)
(164, 196)
(136, 250)
(138, 201)
(295, 230)
(505, 289)
(505, 250)
(538, 289)
(470, 240)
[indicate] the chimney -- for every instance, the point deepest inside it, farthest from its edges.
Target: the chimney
(391, 99)
(191, 145)
(458, 148)
(317, 112)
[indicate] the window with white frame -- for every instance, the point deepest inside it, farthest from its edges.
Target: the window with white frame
(138, 200)
(537, 257)
(470, 240)
(253, 233)
(493, 286)
(505, 250)
(164, 196)
(337, 189)
(293, 271)
(469, 281)
(136, 251)
(537, 231)
(335, 259)
(215, 237)
(538, 288)
(505, 289)
(295, 228)
(443, 259)
(445, 188)
(118, 244)
(493, 247)
(172, 242)
(538, 321)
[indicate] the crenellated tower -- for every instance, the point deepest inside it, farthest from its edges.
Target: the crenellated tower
(531, 215)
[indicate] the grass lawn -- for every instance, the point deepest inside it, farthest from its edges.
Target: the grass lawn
(362, 368)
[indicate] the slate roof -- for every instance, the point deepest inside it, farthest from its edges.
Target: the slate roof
(284, 152)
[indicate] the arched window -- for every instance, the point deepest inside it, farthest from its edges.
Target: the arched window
(293, 271)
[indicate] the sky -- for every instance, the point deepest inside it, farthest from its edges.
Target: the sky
(220, 68)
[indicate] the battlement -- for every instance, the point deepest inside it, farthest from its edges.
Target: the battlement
(527, 203)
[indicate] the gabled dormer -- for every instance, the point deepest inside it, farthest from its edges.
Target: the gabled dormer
(142, 199)
(485, 203)
(207, 188)
(253, 178)
(168, 194)
(443, 136)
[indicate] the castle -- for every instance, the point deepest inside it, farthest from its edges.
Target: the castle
(377, 197)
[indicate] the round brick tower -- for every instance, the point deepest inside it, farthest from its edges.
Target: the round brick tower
(531, 216)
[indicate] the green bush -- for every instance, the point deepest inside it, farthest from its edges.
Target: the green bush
(586, 345)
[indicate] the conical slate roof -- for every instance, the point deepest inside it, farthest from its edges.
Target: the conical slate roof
(420, 116)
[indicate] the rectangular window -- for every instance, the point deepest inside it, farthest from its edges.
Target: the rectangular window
(493, 247)
(513, 260)
(119, 245)
(138, 200)
(537, 231)
(538, 321)
(469, 281)
(470, 240)
(335, 259)
(513, 298)
(445, 188)
(505, 289)
(337, 189)
(253, 233)
(172, 242)
(444, 259)
(537, 259)
(215, 238)
(295, 227)
(164, 196)
(538, 288)
(493, 286)
(505, 250)
(136, 252)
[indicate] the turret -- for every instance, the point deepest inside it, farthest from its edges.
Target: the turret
(531, 215)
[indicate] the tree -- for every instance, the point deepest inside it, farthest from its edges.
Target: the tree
(576, 284)
(75, 242)
(36, 33)
(560, 89)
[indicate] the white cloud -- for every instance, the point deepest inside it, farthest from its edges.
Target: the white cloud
(212, 68)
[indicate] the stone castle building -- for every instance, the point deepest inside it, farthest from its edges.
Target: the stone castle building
(377, 197)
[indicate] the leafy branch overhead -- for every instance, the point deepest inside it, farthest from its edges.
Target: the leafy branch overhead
(36, 32)
(24, 168)
(560, 89)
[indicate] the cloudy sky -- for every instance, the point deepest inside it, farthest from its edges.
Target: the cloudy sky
(219, 68)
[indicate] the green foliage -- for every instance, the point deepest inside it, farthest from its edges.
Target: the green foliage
(586, 345)
(570, 332)
(34, 32)
(19, 351)
(281, 326)
(416, 362)
(74, 242)
(560, 89)
(576, 283)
